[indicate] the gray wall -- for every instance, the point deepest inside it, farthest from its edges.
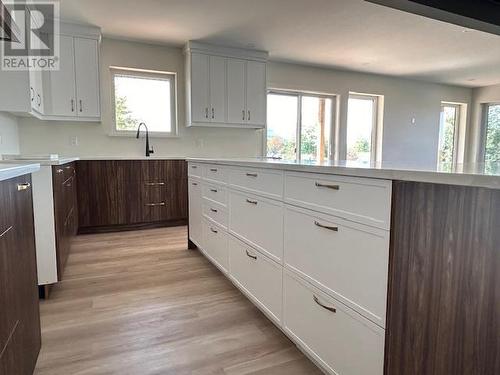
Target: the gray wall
(404, 99)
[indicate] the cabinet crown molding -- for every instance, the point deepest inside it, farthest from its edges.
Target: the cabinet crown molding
(216, 50)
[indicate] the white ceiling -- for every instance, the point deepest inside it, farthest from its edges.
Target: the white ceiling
(346, 34)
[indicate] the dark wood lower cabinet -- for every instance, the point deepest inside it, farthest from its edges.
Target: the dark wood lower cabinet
(20, 337)
(130, 194)
(65, 211)
(444, 288)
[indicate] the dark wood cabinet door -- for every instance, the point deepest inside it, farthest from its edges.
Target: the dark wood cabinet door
(123, 193)
(444, 281)
(20, 335)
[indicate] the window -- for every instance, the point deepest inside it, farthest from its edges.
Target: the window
(144, 96)
(299, 125)
(492, 138)
(448, 133)
(362, 124)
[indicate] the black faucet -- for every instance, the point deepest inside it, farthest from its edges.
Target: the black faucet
(149, 151)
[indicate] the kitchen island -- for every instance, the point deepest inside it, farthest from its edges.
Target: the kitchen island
(380, 269)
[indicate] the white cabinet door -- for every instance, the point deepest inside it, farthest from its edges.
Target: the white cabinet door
(256, 93)
(36, 91)
(87, 77)
(217, 89)
(236, 108)
(195, 213)
(62, 82)
(200, 88)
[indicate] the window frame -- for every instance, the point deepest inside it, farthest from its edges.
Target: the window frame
(484, 129)
(456, 131)
(298, 135)
(375, 146)
(143, 73)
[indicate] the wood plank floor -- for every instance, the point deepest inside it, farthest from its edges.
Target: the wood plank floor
(141, 303)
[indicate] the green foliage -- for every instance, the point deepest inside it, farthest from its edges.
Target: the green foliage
(445, 156)
(360, 146)
(124, 118)
(493, 135)
(309, 143)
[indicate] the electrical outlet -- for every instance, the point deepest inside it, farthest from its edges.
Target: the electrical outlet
(73, 140)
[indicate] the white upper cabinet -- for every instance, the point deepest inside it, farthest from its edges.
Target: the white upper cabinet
(87, 77)
(217, 89)
(70, 93)
(61, 83)
(236, 91)
(225, 87)
(200, 87)
(255, 94)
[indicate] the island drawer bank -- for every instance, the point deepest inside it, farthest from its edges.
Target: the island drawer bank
(396, 277)
(129, 194)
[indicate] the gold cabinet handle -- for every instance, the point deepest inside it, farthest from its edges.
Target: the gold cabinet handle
(59, 170)
(24, 186)
(251, 201)
(250, 255)
(154, 183)
(318, 224)
(329, 308)
(328, 186)
(252, 175)
(155, 204)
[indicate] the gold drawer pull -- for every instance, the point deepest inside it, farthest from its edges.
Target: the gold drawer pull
(154, 183)
(251, 202)
(333, 187)
(25, 186)
(251, 256)
(5, 231)
(155, 204)
(332, 309)
(252, 175)
(59, 170)
(318, 224)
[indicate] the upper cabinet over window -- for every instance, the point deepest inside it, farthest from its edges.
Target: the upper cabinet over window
(225, 87)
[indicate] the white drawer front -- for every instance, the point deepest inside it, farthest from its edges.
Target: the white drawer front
(258, 276)
(195, 212)
(257, 221)
(266, 182)
(363, 200)
(194, 169)
(215, 173)
(342, 341)
(216, 245)
(215, 193)
(345, 259)
(215, 212)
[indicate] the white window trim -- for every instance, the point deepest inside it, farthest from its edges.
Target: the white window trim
(376, 136)
(146, 74)
(484, 130)
(299, 94)
(459, 107)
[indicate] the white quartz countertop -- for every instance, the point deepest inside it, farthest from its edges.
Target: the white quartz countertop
(8, 171)
(132, 158)
(43, 162)
(478, 175)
